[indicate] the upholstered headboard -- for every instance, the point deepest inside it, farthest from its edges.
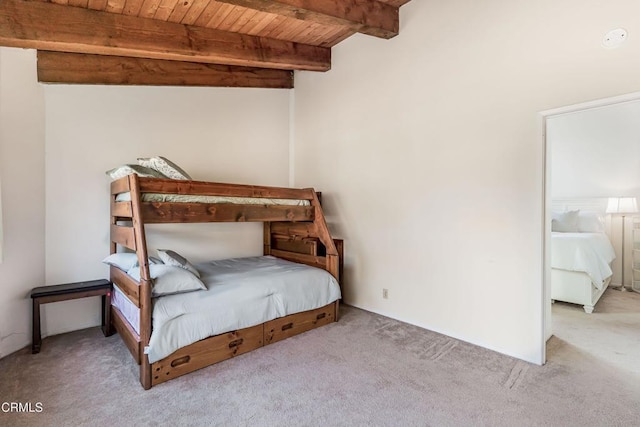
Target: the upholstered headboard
(597, 204)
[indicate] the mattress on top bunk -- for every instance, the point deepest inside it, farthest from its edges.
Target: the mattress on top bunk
(241, 292)
(590, 253)
(187, 198)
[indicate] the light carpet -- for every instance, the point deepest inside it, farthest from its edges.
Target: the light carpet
(363, 370)
(611, 333)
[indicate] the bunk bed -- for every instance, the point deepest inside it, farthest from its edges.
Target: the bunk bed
(295, 231)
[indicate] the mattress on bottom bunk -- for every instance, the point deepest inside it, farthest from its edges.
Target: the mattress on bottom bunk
(128, 309)
(241, 292)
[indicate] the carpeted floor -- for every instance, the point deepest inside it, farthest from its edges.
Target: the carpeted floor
(611, 333)
(364, 370)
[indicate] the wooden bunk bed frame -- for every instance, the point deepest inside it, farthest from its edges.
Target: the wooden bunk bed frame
(294, 233)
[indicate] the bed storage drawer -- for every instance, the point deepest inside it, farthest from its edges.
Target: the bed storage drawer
(285, 327)
(206, 352)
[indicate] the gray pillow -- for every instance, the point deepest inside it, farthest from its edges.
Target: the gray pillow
(125, 261)
(124, 170)
(173, 258)
(566, 222)
(169, 280)
(165, 167)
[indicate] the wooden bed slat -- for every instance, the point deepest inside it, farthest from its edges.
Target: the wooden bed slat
(126, 331)
(201, 188)
(121, 209)
(308, 246)
(166, 212)
(120, 185)
(126, 284)
(313, 261)
(123, 236)
(302, 229)
(207, 352)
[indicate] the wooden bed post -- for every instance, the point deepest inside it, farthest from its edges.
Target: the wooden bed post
(332, 256)
(333, 262)
(267, 238)
(145, 282)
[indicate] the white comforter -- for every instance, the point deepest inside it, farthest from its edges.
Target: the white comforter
(587, 252)
(241, 292)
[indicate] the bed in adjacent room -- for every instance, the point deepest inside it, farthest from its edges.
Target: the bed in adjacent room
(581, 256)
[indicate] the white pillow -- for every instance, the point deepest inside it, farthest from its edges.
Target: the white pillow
(566, 222)
(173, 258)
(165, 167)
(125, 261)
(169, 280)
(590, 222)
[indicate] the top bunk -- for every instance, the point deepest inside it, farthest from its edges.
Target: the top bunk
(162, 200)
(294, 224)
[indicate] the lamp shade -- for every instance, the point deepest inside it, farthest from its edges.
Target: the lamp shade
(622, 205)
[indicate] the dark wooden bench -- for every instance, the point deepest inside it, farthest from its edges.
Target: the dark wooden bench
(69, 291)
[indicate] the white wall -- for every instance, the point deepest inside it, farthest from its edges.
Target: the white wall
(427, 150)
(22, 177)
(596, 153)
(227, 135)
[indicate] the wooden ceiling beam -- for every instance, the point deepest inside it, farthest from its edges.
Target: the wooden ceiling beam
(47, 26)
(369, 17)
(77, 68)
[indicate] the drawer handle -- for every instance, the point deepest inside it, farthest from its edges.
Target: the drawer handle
(236, 343)
(321, 316)
(287, 326)
(181, 361)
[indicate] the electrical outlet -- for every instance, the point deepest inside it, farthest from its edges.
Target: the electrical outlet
(385, 293)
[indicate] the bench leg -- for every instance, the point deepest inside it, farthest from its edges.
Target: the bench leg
(36, 339)
(107, 328)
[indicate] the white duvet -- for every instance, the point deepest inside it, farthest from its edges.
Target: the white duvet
(590, 253)
(241, 292)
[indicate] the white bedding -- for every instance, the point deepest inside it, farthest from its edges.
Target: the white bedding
(186, 198)
(590, 253)
(241, 292)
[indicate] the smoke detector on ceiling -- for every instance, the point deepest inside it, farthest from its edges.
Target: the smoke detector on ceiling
(614, 38)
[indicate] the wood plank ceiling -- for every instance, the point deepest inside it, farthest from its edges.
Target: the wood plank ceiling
(236, 43)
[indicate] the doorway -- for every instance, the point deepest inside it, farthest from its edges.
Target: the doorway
(589, 194)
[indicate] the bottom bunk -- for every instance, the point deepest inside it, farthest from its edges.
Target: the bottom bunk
(247, 303)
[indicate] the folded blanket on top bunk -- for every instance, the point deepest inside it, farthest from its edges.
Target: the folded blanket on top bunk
(186, 198)
(241, 292)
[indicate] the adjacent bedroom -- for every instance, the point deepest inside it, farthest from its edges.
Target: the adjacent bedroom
(595, 230)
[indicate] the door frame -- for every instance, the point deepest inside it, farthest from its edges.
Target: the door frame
(543, 116)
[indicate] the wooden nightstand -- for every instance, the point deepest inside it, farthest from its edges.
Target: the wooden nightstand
(69, 291)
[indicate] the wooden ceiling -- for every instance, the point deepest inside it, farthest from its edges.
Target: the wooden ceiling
(237, 43)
